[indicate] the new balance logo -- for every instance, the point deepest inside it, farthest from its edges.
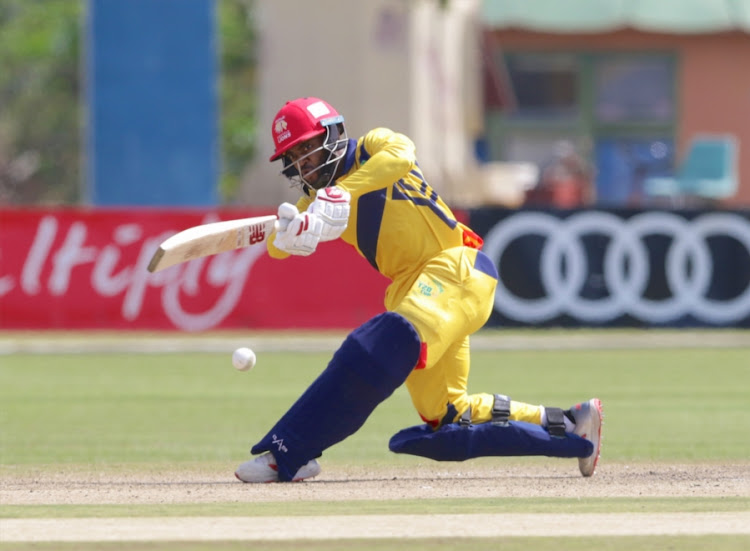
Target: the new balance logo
(256, 234)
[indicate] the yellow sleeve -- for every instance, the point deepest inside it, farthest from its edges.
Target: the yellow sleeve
(274, 252)
(384, 157)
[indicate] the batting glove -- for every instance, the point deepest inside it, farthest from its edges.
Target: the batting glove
(286, 214)
(331, 206)
(301, 235)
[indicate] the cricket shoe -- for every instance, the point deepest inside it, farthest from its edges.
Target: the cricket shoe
(588, 419)
(263, 469)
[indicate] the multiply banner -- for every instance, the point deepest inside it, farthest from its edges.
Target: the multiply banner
(86, 269)
(619, 268)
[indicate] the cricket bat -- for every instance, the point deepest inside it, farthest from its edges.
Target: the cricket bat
(211, 239)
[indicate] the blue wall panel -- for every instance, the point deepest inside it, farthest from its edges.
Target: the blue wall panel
(152, 103)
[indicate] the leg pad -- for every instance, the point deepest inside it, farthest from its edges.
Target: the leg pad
(458, 443)
(373, 361)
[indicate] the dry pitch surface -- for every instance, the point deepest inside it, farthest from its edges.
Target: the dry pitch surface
(555, 479)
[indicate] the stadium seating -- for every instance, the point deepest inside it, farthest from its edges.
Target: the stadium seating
(708, 172)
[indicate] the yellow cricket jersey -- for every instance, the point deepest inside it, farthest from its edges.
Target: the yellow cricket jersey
(441, 284)
(397, 221)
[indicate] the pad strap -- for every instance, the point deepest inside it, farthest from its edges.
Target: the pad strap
(501, 410)
(465, 419)
(555, 422)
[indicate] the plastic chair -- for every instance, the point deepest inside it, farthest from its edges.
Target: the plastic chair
(709, 171)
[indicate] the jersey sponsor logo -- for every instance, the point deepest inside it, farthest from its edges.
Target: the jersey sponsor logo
(432, 289)
(688, 266)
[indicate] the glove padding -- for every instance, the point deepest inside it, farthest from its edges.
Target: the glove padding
(286, 214)
(299, 234)
(331, 206)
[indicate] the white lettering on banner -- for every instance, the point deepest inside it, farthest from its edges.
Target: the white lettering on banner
(689, 266)
(32, 268)
(71, 254)
(228, 272)
(225, 270)
(102, 278)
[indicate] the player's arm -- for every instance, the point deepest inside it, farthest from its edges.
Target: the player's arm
(385, 157)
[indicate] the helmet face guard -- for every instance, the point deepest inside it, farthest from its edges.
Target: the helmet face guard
(299, 121)
(322, 175)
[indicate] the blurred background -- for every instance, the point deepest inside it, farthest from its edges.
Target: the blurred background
(509, 102)
(569, 106)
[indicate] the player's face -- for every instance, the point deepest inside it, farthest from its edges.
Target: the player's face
(309, 156)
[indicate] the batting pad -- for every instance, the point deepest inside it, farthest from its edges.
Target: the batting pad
(373, 361)
(454, 442)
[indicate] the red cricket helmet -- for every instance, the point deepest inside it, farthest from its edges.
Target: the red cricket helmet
(300, 120)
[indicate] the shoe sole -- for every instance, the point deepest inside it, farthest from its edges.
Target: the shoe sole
(237, 476)
(583, 462)
(268, 481)
(297, 479)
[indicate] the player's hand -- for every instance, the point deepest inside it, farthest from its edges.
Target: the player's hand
(286, 214)
(301, 235)
(331, 205)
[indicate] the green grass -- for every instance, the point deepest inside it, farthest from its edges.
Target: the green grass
(140, 413)
(663, 405)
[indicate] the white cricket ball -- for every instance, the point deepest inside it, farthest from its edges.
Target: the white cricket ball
(243, 359)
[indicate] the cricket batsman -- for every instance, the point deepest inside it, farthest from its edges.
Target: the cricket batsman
(372, 193)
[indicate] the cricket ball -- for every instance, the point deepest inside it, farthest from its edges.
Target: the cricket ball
(243, 359)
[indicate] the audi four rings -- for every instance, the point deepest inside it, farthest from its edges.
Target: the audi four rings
(689, 266)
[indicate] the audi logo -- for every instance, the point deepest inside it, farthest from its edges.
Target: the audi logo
(688, 267)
